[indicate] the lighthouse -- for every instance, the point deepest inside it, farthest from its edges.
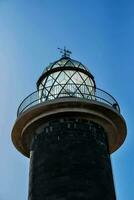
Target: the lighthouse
(68, 128)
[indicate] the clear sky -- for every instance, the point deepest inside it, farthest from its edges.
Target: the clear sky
(100, 34)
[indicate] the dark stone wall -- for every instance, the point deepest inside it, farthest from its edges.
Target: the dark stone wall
(70, 161)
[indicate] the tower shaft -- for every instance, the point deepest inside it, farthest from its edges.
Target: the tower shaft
(70, 160)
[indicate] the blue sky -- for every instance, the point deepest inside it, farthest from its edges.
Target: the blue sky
(100, 34)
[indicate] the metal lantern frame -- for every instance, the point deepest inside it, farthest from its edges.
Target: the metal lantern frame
(59, 87)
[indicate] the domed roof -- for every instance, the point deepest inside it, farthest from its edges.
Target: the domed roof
(64, 63)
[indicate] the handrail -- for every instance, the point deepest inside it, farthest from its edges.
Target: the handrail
(90, 93)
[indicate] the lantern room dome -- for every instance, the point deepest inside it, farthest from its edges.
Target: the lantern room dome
(64, 63)
(65, 77)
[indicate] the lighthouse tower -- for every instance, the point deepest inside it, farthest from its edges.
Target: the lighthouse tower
(68, 128)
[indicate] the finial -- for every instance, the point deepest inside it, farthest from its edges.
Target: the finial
(65, 52)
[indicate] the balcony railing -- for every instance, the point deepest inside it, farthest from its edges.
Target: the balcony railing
(68, 90)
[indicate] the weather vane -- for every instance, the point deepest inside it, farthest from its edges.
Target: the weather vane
(65, 52)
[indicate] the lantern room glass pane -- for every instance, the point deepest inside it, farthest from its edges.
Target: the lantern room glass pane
(66, 83)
